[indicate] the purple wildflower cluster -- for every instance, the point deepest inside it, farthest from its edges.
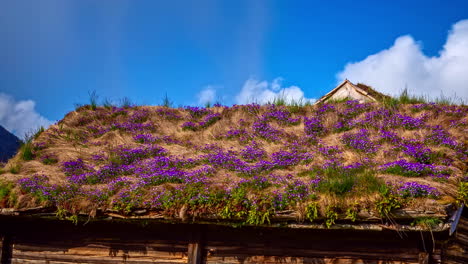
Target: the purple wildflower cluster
(414, 189)
(418, 151)
(37, 184)
(313, 126)
(264, 130)
(414, 169)
(390, 136)
(256, 183)
(197, 112)
(73, 167)
(354, 108)
(252, 153)
(297, 191)
(324, 108)
(383, 119)
(409, 122)
(252, 108)
(360, 141)
(439, 136)
(207, 121)
(168, 114)
(280, 114)
(127, 155)
(133, 127)
(139, 116)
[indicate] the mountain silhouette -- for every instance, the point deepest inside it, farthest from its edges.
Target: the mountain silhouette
(9, 144)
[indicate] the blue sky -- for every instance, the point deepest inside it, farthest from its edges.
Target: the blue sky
(54, 52)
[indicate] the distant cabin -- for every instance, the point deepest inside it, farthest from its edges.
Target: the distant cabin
(347, 89)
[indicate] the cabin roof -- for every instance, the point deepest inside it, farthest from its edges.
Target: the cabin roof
(324, 164)
(364, 90)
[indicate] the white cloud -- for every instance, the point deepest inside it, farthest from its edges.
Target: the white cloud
(405, 65)
(263, 92)
(207, 95)
(20, 117)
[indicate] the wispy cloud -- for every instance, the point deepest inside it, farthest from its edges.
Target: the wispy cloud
(20, 117)
(405, 65)
(207, 95)
(264, 92)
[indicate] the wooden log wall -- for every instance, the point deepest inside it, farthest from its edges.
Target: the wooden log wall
(455, 250)
(32, 240)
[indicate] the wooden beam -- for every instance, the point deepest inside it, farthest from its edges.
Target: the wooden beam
(423, 258)
(195, 253)
(195, 246)
(454, 220)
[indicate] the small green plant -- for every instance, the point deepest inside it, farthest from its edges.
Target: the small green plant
(166, 101)
(61, 213)
(126, 102)
(107, 103)
(390, 103)
(344, 182)
(339, 184)
(297, 106)
(15, 168)
(93, 99)
(258, 215)
(73, 219)
(406, 98)
(311, 211)
(351, 212)
(330, 216)
(387, 202)
(49, 160)
(462, 194)
(38, 132)
(426, 222)
(5, 189)
(236, 205)
(12, 199)
(279, 100)
(26, 149)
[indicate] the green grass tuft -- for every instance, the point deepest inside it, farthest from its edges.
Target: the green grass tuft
(166, 101)
(15, 169)
(93, 100)
(349, 182)
(5, 189)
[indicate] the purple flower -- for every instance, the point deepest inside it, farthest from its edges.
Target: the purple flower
(360, 141)
(414, 189)
(264, 130)
(313, 126)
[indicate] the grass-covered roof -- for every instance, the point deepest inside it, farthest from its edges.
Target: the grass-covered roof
(252, 164)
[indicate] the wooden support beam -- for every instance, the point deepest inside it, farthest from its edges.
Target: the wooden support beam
(195, 246)
(6, 250)
(423, 258)
(195, 253)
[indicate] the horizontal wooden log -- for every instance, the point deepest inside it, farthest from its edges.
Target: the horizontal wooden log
(96, 253)
(297, 260)
(249, 250)
(282, 216)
